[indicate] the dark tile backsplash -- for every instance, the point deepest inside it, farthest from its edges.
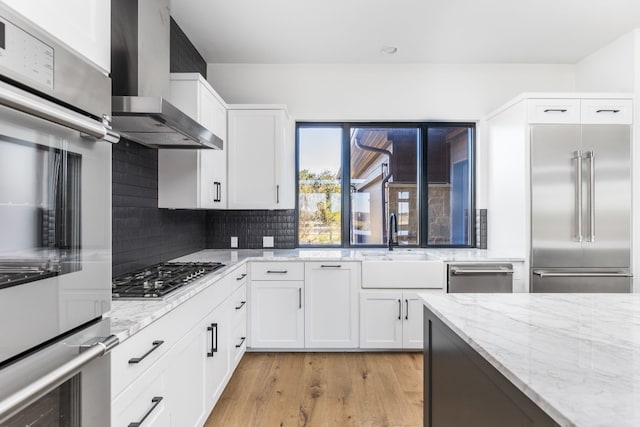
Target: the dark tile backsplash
(142, 233)
(184, 57)
(250, 226)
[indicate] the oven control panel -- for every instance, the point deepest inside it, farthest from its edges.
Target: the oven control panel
(25, 55)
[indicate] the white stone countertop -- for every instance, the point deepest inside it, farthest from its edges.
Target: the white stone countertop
(577, 356)
(129, 317)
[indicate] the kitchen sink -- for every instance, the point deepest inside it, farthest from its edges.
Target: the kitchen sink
(401, 269)
(397, 255)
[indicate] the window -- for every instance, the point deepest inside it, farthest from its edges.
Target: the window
(319, 193)
(352, 176)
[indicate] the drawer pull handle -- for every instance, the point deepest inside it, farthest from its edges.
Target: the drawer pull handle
(330, 266)
(242, 303)
(555, 110)
(277, 271)
(154, 347)
(156, 401)
(608, 111)
(214, 339)
(241, 342)
(242, 276)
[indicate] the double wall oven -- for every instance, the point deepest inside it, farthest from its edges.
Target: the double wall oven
(55, 232)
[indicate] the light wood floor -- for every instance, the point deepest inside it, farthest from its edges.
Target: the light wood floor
(323, 389)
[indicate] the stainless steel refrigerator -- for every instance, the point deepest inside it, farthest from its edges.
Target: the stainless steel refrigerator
(580, 208)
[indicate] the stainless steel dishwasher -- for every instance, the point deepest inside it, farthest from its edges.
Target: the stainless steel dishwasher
(480, 278)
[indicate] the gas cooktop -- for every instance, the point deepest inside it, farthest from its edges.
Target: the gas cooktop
(159, 280)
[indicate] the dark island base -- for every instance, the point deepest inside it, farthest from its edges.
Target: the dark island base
(462, 389)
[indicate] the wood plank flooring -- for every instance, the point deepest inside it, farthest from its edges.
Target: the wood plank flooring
(323, 390)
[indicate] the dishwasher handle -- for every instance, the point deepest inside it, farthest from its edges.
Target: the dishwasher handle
(467, 272)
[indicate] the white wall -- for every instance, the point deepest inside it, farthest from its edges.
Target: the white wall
(609, 69)
(318, 92)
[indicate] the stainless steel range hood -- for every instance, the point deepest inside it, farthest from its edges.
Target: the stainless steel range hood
(140, 42)
(154, 122)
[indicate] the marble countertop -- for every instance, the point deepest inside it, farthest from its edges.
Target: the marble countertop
(577, 356)
(128, 317)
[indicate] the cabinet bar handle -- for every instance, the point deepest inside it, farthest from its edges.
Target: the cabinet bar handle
(299, 297)
(214, 339)
(241, 342)
(277, 271)
(406, 314)
(154, 347)
(218, 190)
(277, 193)
(242, 303)
(156, 401)
(399, 309)
(578, 189)
(330, 266)
(242, 276)
(608, 111)
(555, 110)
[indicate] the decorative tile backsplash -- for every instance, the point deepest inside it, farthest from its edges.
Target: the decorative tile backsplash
(250, 226)
(143, 234)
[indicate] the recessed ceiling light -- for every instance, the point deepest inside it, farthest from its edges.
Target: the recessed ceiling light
(389, 50)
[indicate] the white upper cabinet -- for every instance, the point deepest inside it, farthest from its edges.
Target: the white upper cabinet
(195, 179)
(261, 159)
(83, 25)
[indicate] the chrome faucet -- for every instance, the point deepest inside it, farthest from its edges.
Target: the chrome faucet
(393, 228)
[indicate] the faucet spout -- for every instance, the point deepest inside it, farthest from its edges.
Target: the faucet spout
(393, 228)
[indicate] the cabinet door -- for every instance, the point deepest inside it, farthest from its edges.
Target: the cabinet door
(213, 163)
(381, 319)
(254, 139)
(277, 316)
(331, 304)
(412, 326)
(217, 330)
(186, 374)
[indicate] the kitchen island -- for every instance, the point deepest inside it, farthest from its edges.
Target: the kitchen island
(532, 359)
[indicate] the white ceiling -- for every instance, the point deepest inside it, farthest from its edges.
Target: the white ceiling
(424, 31)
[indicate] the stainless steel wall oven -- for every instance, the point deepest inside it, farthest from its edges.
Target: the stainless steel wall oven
(55, 232)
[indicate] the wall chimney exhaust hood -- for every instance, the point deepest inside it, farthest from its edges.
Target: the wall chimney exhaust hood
(140, 31)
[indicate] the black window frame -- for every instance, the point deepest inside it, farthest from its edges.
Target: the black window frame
(422, 180)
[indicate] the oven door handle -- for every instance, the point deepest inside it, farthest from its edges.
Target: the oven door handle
(24, 397)
(56, 114)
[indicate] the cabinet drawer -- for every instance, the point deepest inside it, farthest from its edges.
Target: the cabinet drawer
(277, 271)
(554, 110)
(238, 343)
(239, 302)
(145, 396)
(606, 111)
(137, 354)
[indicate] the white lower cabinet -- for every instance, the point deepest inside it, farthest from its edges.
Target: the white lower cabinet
(331, 304)
(186, 380)
(391, 319)
(217, 330)
(277, 315)
(173, 372)
(144, 401)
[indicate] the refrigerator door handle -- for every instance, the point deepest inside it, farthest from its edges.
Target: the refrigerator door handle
(546, 273)
(577, 156)
(592, 196)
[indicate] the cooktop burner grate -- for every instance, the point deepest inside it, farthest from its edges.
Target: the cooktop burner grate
(159, 280)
